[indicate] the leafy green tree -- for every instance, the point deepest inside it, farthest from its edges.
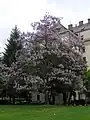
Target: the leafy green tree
(87, 78)
(11, 47)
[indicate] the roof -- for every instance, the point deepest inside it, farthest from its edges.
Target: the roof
(81, 28)
(67, 30)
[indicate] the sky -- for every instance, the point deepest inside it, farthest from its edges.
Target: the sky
(23, 12)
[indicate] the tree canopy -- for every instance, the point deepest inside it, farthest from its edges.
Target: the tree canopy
(48, 55)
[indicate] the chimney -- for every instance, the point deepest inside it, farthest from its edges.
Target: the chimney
(80, 23)
(70, 27)
(75, 25)
(89, 20)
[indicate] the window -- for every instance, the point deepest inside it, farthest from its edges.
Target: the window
(76, 34)
(84, 58)
(82, 37)
(83, 49)
(71, 30)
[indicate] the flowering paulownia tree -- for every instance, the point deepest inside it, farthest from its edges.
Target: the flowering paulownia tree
(50, 55)
(4, 78)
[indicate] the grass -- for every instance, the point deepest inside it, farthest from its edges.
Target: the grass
(44, 113)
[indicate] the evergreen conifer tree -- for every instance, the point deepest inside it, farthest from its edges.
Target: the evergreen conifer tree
(11, 47)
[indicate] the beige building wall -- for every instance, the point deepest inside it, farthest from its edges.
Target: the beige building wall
(86, 38)
(83, 31)
(87, 53)
(86, 34)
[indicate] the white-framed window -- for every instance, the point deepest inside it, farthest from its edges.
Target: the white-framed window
(82, 37)
(83, 49)
(84, 58)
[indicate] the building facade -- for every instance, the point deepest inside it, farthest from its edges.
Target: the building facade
(83, 31)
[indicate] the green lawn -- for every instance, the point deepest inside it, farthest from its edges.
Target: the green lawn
(44, 113)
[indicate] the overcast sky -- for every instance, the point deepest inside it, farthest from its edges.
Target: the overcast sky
(23, 12)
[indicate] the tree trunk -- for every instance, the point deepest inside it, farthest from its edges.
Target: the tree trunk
(10, 100)
(51, 99)
(69, 98)
(2, 98)
(13, 100)
(64, 98)
(46, 98)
